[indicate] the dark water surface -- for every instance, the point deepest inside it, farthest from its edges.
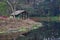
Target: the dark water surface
(50, 31)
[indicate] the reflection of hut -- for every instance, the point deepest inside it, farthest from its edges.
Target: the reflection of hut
(20, 14)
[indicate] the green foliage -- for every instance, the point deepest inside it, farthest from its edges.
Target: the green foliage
(3, 8)
(35, 26)
(23, 29)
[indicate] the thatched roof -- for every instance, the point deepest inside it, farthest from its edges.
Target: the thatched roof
(17, 12)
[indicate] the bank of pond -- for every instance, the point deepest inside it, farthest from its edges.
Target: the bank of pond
(50, 31)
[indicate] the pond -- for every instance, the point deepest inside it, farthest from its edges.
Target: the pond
(50, 31)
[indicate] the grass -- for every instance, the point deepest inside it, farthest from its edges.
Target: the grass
(51, 18)
(36, 26)
(54, 18)
(24, 29)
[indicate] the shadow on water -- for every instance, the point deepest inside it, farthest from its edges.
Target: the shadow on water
(50, 31)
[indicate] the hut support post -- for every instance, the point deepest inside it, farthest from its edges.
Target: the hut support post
(27, 15)
(22, 15)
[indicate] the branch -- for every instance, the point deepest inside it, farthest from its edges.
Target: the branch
(10, 5)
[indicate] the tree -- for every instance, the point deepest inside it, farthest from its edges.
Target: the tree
(3, 8)
(12, 5)
(13, 9)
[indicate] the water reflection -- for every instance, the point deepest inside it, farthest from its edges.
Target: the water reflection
(50, 31)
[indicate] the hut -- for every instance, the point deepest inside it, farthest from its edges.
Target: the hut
(20, 14)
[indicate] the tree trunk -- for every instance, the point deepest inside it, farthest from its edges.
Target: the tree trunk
(10, 5)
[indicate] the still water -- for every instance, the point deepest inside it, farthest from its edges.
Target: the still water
(50, 31)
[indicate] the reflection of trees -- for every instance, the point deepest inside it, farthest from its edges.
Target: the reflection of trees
(46, 32)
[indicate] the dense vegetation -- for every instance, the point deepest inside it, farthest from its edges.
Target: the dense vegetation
(34, 7)
(3, 7)
(37, 8)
